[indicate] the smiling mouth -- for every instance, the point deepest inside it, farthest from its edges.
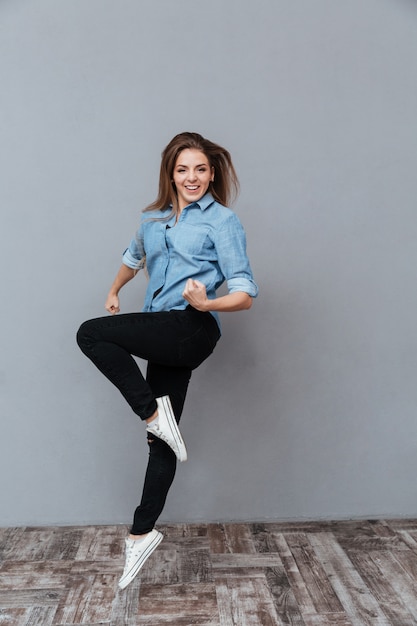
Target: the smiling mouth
(191, 188)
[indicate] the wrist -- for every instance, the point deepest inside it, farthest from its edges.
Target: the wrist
(113, 293)
(208, 306)
(203, 307)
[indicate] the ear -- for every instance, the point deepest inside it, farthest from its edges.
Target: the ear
(212, 174)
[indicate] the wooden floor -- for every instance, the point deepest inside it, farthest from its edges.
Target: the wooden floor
(309, 574)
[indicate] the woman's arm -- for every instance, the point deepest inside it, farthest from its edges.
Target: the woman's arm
(123, 276)
(195, 294)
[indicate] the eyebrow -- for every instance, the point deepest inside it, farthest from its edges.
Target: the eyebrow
(200, 165)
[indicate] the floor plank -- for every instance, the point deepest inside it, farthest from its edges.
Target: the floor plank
(376, 578)
(356, 599)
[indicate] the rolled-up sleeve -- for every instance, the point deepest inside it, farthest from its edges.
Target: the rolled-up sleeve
(234, 263)
(134, 255)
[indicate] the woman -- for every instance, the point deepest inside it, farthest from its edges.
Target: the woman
(191, 244)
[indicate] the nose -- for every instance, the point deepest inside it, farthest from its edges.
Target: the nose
(192, 176)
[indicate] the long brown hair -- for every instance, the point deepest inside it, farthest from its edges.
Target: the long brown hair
(225, 186)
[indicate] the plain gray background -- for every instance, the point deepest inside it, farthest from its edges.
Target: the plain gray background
(307, 409)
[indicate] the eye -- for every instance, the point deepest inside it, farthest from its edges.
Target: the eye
(181, 171)
(202, 169)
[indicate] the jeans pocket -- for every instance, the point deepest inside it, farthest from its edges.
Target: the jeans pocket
(196, 348)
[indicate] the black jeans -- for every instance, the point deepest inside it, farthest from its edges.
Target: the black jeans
(173, 343)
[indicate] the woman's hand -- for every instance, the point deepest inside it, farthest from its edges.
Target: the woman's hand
(195, 294)
(123, 276)
(112, 304)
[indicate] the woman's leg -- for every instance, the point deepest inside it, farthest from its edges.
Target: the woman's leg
(173, 343)
(109, 342)
(173, 339)
(162, 462)
(144, 538)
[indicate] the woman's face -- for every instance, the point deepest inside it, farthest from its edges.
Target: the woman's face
(192, 176)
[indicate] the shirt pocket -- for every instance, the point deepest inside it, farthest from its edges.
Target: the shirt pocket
(193, 240)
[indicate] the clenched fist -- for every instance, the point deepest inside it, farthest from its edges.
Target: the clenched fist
(195, 294)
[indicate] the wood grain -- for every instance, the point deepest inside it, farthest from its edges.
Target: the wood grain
(353, 573)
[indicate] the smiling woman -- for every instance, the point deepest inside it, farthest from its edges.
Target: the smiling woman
(223, 184)
(192, 176)
(192, 243)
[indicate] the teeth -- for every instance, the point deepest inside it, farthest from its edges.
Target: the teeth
(192, 188)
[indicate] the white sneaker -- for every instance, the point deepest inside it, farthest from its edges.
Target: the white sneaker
(166, 428)
(137, 552)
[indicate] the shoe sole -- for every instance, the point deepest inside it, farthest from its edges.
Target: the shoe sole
(133, 572)
(172, 423)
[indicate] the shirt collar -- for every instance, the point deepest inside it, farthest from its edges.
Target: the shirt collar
(205, 201)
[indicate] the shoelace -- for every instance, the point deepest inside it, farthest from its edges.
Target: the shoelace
(129, 549)
(126, 563)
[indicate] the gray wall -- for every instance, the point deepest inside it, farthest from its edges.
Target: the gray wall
(308, 407)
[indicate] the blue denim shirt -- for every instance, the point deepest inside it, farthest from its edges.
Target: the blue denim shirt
(208, 243)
